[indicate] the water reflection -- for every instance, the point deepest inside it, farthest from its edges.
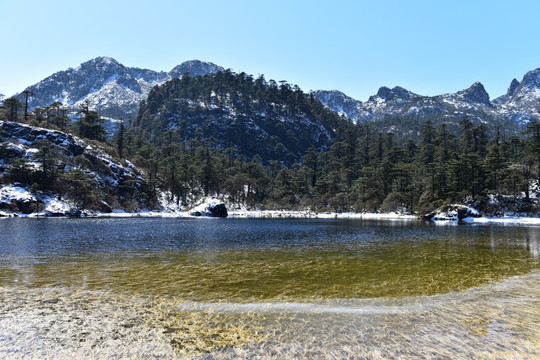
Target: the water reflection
(533, 243)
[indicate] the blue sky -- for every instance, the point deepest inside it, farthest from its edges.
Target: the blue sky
(429, 47)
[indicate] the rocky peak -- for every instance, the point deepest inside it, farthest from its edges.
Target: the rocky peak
(194, 68)
(513, 87)
(397, 92)
(384, 92)
(531, 80)
(103, 64)
(476, 93)
(102, 61)
(334, 96)
(338, 102)
(329, 93)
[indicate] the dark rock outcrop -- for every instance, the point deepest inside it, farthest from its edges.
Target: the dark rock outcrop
(452, 212)
(212, 208)
(218, 210)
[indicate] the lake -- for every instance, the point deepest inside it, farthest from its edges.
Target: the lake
(267, 288)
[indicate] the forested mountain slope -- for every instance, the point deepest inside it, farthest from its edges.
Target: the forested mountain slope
(59, 173)
(266, 145)
(251, 116)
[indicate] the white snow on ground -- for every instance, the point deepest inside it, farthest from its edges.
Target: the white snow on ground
(11, 193)
(313, 215)
(450, 212)
(15, 193)
(509, 220)
(55, 205)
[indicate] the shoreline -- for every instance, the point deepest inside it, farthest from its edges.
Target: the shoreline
(292, 214)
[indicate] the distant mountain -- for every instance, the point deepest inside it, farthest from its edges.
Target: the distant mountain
(2, 97)
(338, 102)
(113, 89)
(116, 91)
(235, 111)
(521, 103)
(402, 111)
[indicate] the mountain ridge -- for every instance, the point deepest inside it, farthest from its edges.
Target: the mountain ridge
(515, 109)
(112, 89)
(115, 91)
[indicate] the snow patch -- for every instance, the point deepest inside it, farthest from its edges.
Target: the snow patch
(15, 193)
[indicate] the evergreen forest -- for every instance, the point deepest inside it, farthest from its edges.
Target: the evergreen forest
(201, 136)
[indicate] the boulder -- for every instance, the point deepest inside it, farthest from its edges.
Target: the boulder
(218, 210)
(211, 208)
(452, 212)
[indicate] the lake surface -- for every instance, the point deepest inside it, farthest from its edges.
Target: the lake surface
(228, 288)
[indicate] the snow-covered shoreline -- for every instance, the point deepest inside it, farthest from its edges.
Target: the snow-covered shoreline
(283, 214)
(54, 207)
(243, 214)
(289, 214)
(506, 220)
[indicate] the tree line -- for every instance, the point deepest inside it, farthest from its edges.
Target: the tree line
(362, 170)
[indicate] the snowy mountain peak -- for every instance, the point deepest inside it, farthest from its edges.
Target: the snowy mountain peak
(339, 102)
(113, 89)
(476, 93)
(102, 63)
(104, 60)
(531, 80)
(512, 89)
(522, 101)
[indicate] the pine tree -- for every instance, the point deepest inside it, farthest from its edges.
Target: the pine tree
(120, 139)
(90, 124)
(27, 94)
(534, 145)
(13, 105)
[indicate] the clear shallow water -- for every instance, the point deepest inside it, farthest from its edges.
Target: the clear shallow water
(237, 286)
(256, 260)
